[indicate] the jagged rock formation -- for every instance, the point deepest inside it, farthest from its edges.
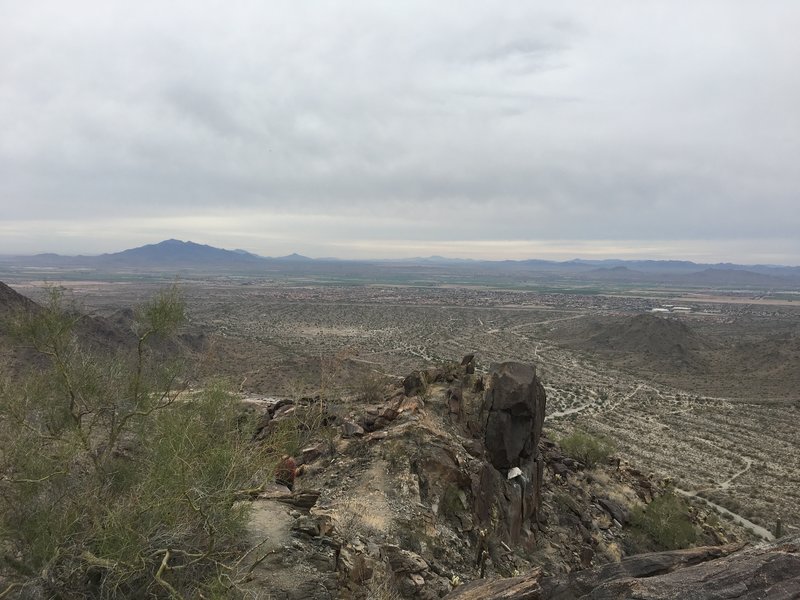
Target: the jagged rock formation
(771, 571)
(415, 495)
(510, 425)
(512, 415)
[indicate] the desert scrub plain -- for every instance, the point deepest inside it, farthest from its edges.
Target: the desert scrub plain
(718, 419)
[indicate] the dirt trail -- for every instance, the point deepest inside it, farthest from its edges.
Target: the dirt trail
(582, 407)
(725, 485)
(757, 529)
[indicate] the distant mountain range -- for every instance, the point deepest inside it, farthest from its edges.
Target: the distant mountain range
(179, 255)
(166, 254)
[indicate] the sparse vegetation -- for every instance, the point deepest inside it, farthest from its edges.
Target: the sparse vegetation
(114, 480)
(370, 386)
(665, 523)
(381, 585)
(305, 330)
(586, 448)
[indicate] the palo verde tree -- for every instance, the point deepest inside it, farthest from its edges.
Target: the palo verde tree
(115, 480)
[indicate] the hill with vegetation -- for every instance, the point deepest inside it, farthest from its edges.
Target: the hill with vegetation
(122, 476)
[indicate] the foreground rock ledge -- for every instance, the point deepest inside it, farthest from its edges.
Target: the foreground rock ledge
(714, 572)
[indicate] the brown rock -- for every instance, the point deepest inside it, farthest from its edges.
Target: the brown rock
(587, 554)
(439, 471)
(515, 588)
(411, 405)
(434, 375)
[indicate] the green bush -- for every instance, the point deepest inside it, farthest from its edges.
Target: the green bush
(114, 480)
(665, 522)
(586, 448)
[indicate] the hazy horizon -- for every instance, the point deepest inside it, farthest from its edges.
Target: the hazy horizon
(663, 130)
(554, 255)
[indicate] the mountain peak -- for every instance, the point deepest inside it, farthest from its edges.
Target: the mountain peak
(177, 253)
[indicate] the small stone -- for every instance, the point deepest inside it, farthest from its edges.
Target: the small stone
(350, 429)
(307, 525)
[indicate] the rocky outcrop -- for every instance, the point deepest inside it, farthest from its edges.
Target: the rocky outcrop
(511, 419)
(513, 415)
(405, 497)
(698, 573)
(413, 576)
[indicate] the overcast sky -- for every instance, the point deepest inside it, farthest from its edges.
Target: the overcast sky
(354, 129)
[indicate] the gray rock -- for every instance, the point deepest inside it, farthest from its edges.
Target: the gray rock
(403, 561)
(350, 429)
(510, 423)
(513, 414)
(617, 512)
(712, 572)
(306, 524)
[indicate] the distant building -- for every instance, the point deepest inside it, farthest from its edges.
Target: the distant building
(681, 309)
(659, 310)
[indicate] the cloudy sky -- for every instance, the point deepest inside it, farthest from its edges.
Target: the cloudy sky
(353, 129)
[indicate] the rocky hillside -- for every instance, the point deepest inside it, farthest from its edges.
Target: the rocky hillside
(657, 342)
(657, 336)
(445, 484)
(97, 332)
(445, 479)
(11, 301)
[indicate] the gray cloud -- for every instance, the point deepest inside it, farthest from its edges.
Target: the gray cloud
(451, 123)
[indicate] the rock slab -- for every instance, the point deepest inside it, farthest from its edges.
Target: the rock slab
(707, 573)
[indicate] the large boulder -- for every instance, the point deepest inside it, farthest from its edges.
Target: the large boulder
(512, 415)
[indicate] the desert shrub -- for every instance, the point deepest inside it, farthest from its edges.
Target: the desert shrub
(588, 449)
(381, 586)
(370, 387)
(665, 522)
(114, 481)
